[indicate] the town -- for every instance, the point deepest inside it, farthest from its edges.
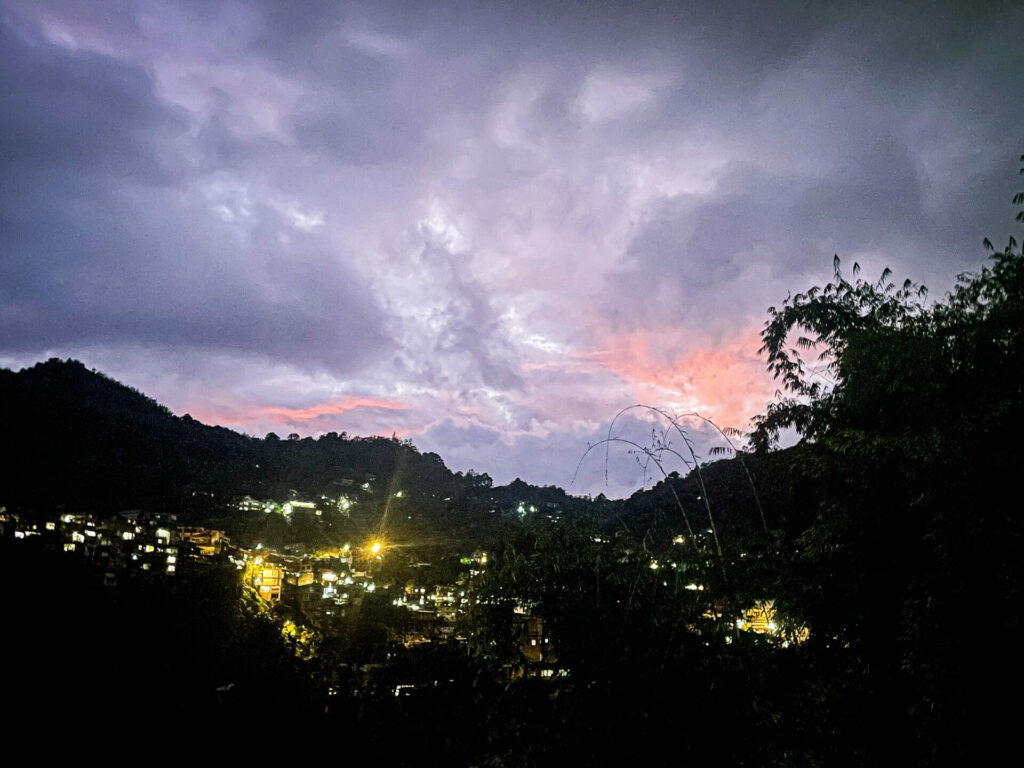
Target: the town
(316, 596)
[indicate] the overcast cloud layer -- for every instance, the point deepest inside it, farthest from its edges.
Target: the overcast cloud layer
(484, 226)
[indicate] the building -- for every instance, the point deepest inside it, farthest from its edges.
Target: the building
(208, 541)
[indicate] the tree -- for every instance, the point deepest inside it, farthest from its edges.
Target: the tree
(908, 562)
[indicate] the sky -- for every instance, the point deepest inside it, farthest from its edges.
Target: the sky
(484, 226)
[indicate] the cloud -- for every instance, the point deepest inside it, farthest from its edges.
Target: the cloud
(108, 235)
(506, 220)
(333, 407)
(588, 460)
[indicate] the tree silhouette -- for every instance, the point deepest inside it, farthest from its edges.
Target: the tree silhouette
(904, 412)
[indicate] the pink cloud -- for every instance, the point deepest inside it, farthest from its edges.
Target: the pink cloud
(725, 380)
(245, 414)
(330, 408)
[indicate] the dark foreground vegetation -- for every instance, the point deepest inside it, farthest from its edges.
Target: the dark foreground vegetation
(891, 532)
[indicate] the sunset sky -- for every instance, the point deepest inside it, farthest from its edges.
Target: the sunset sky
(484, 226)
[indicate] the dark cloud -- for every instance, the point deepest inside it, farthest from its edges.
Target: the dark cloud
(103, 243)
(467, 325)
(79, 112)
(484, 225)
(355, 130)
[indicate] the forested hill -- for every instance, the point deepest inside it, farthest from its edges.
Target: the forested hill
(83, 440)
(746, 497)
(80, 438)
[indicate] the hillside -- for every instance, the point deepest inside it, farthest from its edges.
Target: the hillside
(86, 442)
(82, 438)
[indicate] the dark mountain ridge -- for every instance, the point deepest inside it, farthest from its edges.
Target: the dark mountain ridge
(85, 442)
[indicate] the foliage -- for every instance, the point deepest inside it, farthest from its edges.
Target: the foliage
(646, 643)
(904, 528)
(192, 649)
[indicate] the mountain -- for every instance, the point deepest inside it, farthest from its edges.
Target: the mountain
(81, 441)
(745, 495)
(80, 438)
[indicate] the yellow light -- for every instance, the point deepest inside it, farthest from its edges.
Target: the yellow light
(375, 547)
